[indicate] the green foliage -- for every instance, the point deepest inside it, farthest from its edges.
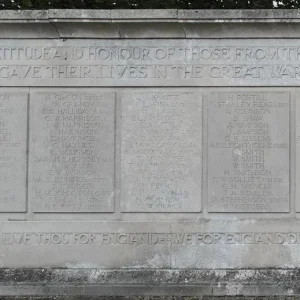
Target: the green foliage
(148, 4)
(289, 4)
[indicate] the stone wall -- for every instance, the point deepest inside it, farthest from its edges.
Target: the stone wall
(149, 153)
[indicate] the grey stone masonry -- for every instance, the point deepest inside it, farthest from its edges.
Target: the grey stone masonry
(149, 153)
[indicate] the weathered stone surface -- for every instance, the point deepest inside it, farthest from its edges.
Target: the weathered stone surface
(198, 284)
(248, 152)
(161, 152)
(297, 172)
(81, 245)
(152, 62)
(203, 244)
(72, 151)
(149, 153)
(13, 148)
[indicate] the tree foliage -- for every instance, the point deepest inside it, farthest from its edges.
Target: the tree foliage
(148, 4)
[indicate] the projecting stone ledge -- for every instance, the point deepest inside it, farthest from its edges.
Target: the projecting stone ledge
(169, 23)
(152, 284)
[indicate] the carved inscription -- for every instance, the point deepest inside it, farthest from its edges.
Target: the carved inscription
(149, 238)
(248, 152)
(72, 151)
(13, 144)
(147, 61)
(161, 152)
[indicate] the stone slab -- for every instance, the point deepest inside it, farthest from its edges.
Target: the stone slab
(248, 151)
(150, 62)
(81, 245)
(246, 15)
(161, 152)
(205, 244)
(129, 199)
(13, 149)
(72, 151)
(162, 292)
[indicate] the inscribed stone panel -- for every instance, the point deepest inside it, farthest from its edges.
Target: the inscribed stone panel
(152, 62)
(248, 152)
(202, 244)
(72, 151)
(13, 145)
(161, 152)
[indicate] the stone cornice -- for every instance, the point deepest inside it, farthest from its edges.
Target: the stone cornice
(150, 24)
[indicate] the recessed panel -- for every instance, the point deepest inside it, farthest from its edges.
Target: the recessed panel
(13, 145)
(72, 151)
(297, 172)
(248, 152)
(161, 152)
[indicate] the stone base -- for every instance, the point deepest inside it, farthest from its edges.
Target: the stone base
(148, 283)
(150, 298)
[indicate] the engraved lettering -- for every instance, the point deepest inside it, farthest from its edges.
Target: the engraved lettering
(161, 149)
(247, 134)
(74, 158)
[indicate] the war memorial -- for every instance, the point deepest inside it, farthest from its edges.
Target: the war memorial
(150, 153)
